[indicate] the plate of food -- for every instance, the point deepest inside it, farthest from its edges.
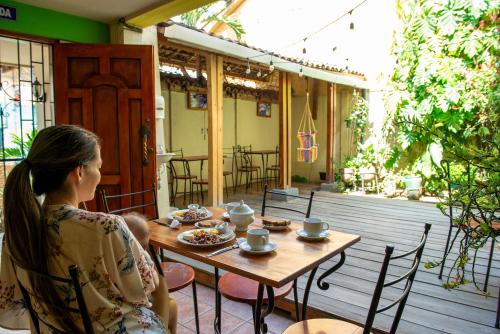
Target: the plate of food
(209, 223)
(205, 237)
(190, 215)
(275, 224)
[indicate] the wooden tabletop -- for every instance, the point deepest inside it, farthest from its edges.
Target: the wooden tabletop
(293, 257)
(261, 152)
(190, 158)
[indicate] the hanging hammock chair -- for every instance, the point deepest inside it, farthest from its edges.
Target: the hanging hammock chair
(308, 148)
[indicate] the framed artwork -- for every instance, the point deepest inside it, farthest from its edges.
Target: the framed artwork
(263, 109)
(197, 100)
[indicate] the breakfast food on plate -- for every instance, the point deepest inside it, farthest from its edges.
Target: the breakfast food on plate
(268, 221)
(203, 237)
(208, 223)
(190, 215)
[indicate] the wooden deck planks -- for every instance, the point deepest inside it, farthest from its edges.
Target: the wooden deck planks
(430, 308)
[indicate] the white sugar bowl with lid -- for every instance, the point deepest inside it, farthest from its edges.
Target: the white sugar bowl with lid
(241, 216)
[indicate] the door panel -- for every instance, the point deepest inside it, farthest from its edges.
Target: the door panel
(108, 89)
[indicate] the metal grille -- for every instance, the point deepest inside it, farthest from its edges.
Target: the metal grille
(26, 98)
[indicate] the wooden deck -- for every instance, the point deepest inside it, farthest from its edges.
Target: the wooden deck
(430, 308)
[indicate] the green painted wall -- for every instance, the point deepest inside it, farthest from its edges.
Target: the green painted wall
(47, 23)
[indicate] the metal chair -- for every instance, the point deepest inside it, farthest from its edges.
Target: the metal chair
(325, 326)
(243, 165)
(471, 223)
(273, 172)
(244, 290)
(180, 171)
(177, 275)
(73, 282)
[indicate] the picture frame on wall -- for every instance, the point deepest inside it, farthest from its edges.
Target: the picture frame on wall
(263, 108)
(197, 100)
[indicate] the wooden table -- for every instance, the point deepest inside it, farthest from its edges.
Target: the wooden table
(292, 258)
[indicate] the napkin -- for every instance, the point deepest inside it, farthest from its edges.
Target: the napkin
(175, 224)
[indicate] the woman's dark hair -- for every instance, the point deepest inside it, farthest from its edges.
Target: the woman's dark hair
(55, 152)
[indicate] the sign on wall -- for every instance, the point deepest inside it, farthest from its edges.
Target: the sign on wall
(7, 13)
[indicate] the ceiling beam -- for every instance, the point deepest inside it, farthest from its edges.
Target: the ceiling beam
(169, 9)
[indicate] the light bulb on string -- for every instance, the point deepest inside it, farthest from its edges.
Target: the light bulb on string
(259, 74)
(228, 68)
(271, 66)
(248, 70)
(347, 64)
(351, 25)
(301, 73)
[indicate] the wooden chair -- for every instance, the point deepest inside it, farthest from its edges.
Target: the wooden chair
(243, 165)
(273, 171)
(471, 224)
(180, 172)
(73, 282)
(177, 275)
(325, 326)
(244, 290)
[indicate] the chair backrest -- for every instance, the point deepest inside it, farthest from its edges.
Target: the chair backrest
(306, 213)
(445, 165)
(125, 201)
(381, 284)
(72, 282)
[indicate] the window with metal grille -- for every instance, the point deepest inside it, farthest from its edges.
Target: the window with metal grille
(26, 98)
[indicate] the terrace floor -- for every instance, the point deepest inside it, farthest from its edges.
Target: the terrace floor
(430, 308)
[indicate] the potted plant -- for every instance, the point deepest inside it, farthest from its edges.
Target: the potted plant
(348, 172)
(413, 184)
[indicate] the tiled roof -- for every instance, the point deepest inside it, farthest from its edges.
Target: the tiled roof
(320, 66)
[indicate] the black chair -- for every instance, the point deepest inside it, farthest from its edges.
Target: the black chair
(124, 202)
(470, 223)
(73, 282)
(179, 171)
(182, 275)
(273, 171)
(243, 165)
(238, 288)
(342, 327)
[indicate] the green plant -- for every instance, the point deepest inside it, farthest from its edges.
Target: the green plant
(21, 147)
(298, 178)
(358, 120)
(445, 101)
(205, 14)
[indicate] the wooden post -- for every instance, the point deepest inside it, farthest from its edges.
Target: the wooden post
(330, 129)
(285, 124)
(215, 116)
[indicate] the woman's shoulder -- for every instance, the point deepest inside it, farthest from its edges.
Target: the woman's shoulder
(103, 221)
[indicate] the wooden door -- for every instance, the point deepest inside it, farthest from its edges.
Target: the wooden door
(108, 89)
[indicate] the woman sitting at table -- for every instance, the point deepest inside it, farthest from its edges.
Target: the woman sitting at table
(117, 276)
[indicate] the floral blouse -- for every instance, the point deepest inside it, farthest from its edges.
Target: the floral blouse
(116, 274)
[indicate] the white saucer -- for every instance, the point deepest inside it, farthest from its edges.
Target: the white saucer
(324, 234)
(267, 249)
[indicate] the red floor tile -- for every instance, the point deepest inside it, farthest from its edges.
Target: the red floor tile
(185, 309)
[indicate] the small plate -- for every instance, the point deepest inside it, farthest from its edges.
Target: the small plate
(212, 221)
(173, 215)
(226, 238)
(225, 215)
(301, 233)
(276, 228)
(267, 249)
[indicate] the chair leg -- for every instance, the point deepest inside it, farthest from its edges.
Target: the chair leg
(195, 303)
(489, 265)
(445, 252)
(225, 185)
(497, 321)
(296, 300)
(201, 192)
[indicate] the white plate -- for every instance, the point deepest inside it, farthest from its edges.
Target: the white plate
(171, 216)
(226, 237)
(225, 215)
(321, 236)
(197, 224)
(267, 249)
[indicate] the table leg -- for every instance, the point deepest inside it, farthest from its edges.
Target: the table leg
(321, 285)
(259, 324)
(218, 306)
(498, 311)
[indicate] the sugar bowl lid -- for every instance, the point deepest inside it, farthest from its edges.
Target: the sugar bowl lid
(242, 209)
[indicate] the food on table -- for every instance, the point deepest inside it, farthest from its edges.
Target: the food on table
(208, 223)
(275, 222)
(190, 215)
(203, 237)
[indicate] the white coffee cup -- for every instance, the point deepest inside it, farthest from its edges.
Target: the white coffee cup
(314, 226)
(230, 206)
(258, 238)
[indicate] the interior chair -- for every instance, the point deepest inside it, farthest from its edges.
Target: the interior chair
(31, 299)
(243, 165)
(244, 290)
(180, 172)
(226, 173)
(273, 171)
(177, 275)
(325, 326)
(471, 224)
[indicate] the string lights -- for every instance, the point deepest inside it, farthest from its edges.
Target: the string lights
(248, 70)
